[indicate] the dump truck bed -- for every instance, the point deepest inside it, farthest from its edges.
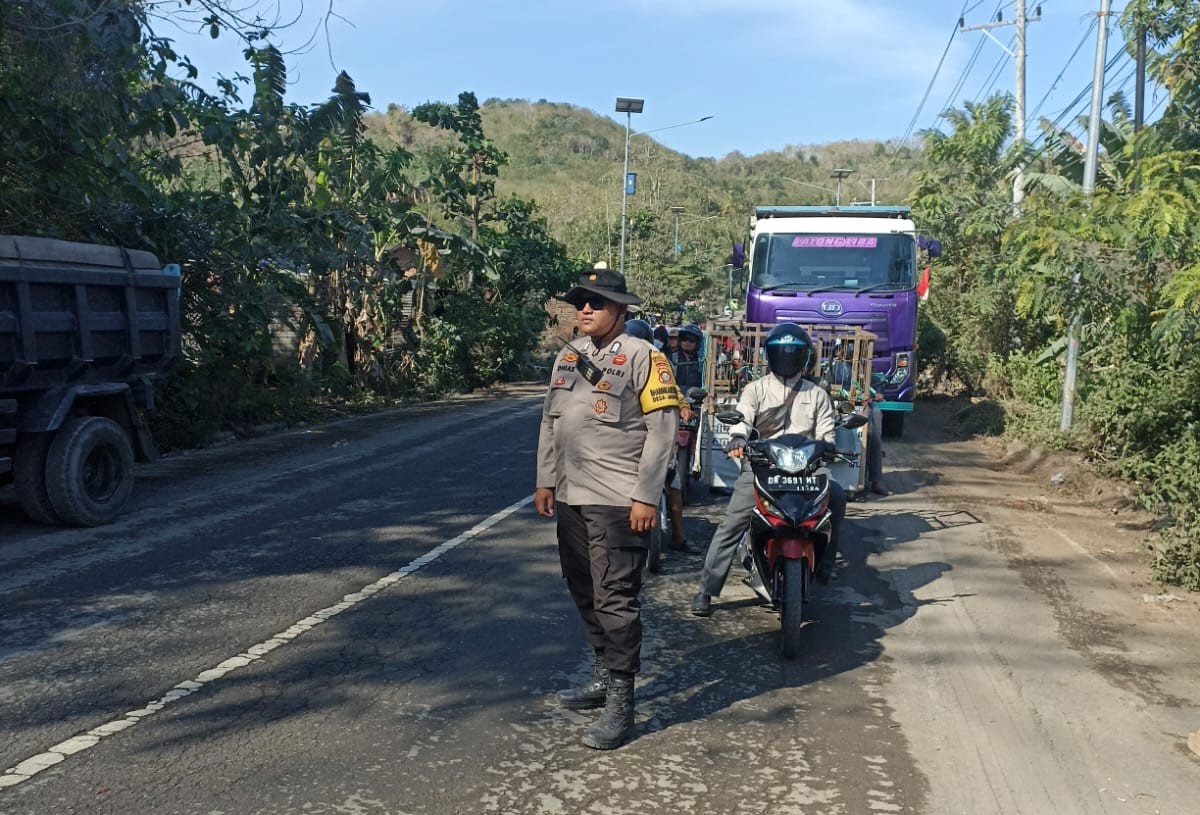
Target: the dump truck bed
(78, 313)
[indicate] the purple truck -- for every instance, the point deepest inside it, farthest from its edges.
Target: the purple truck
(852, 265)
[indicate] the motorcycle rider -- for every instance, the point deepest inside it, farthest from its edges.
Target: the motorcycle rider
(660, 337)
(605, 445)
(689, 371)
(764, 404)
(641, 329)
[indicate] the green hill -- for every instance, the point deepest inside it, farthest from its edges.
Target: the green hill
(569, 160)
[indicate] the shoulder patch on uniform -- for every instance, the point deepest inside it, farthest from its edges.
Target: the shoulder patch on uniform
(659, 392)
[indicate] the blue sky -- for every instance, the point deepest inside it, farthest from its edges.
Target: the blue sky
(771, 73)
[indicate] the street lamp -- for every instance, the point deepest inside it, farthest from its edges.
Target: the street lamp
(839, 174)
(678, 211)
(628, 106)
(671, 127)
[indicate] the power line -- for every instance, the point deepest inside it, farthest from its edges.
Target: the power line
(1070, 60)
(1062, 124)
(962, 80)
(932, 80)
(992, 77)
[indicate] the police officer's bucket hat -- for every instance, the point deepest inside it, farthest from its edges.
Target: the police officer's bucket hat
(604, 282)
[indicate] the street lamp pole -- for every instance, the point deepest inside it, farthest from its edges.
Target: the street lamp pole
(839, 173)
(628, 106)
(678, 211)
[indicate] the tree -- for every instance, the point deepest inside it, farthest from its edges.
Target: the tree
(963, 197)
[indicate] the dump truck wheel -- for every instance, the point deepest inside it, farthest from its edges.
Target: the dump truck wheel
(89, 471)
(29, 477)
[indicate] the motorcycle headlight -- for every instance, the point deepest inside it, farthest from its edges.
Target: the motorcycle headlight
(790, 460)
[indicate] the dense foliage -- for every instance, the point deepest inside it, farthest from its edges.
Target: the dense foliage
(333, 255)
(570, 161)
(318, 266)
(1122, 265)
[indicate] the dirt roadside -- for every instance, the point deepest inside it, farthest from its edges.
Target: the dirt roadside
(1074, 537)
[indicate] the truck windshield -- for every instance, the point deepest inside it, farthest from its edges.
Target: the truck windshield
(805, 262)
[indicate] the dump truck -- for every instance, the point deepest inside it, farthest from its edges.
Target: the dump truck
(853, 266)
(87, 334)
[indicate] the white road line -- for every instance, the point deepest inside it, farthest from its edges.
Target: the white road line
(1081, 548)
(90, 738)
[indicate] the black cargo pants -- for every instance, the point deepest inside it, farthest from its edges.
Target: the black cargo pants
(602, 560)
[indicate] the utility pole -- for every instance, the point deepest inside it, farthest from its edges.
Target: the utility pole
(1091, 158)
(873, 180)
(1019, 92)
(1139, 93)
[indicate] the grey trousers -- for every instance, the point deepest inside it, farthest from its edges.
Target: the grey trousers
(725, 540)
(723, 547)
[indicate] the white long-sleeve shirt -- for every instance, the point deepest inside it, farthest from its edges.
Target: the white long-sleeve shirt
(812, 411)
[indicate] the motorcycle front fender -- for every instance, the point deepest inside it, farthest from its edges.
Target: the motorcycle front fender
(792, 548)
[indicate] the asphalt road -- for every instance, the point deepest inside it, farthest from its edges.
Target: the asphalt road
(369, 618)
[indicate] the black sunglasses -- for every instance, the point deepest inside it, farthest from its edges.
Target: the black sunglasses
(595, 301)
(688, 338)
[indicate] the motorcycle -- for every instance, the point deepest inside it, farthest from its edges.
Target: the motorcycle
(685, 443)
(681, 463)
(658, 535)
(792, 522)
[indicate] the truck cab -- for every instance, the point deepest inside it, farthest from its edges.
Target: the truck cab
(854, 266)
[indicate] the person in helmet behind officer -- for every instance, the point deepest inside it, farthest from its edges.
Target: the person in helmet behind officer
(689, 370)
(660, 337)
(639, 328)
(781, 402)
(672, 340)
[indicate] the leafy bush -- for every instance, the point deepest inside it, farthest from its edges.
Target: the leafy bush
(1177, 555)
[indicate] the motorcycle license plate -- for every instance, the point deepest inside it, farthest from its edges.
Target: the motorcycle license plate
(795, 483)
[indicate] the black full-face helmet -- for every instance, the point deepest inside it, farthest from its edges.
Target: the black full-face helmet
(637, 327)
(789, 350)
(692, 331)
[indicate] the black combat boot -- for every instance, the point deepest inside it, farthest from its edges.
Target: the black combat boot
(615, 725)
(590, 694)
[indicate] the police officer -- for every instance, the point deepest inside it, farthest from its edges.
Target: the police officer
(607, 436)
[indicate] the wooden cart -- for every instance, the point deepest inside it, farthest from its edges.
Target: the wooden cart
(736, 355)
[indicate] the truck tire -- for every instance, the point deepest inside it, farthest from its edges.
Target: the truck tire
(89, 471)
(29, 477)
(893, 425)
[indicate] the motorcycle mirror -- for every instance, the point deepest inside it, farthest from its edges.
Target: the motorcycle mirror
(696, 393)
(730, 417)
(846, 407)
(854, 422)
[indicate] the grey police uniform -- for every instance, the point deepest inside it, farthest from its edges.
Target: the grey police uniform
(607, 436)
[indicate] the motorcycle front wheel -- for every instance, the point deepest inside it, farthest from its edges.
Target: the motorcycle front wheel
(683, 461)
(791, 611)
(658, 536)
